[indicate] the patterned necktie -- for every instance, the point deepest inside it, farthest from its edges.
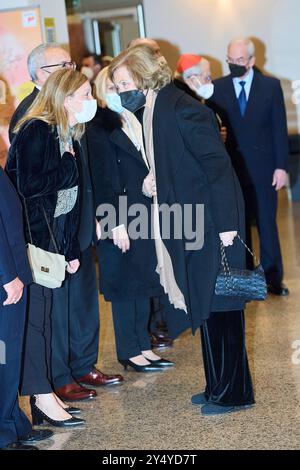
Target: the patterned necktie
(242, 99)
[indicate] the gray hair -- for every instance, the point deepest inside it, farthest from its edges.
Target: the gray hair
(246, 42)
(36, 58)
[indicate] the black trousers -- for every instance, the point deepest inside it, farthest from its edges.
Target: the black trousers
(75, 324)
(13, 422)
(228, 379)
(261, 204)
(158, 319)
(36, 373)
(131, 320)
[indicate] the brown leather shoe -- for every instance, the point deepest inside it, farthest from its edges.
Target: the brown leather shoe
(75, 392)
(157, 342)
(96, 378)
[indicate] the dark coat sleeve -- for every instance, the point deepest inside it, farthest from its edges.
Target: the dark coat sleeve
(13, 255)
(202, 138)
(102, 162)
(7, 266)
(279, 129)
(34, 179)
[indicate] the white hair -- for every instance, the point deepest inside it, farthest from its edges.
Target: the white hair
(36, 58)
(246, 42)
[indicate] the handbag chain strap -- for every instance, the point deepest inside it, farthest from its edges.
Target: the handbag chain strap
(47, 222)
(225, 263)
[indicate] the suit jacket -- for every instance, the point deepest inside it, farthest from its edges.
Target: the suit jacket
(20, 111)
(192, 167)
(257, 142)
(13, 255)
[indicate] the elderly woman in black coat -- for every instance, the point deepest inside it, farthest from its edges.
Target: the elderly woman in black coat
(190, 166)
(127, 260)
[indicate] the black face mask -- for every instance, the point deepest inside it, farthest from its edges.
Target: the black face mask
(237, 71)
(132, 100)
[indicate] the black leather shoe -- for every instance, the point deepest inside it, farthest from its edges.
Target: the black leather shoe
(161, 362)
(18, 446)
(36, 435)
(159, 343)
(148, 368)
(281, 290)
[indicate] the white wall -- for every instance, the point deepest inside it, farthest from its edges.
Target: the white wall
(49, 8)
(206, 26)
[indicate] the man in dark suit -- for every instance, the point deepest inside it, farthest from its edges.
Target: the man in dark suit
(75, 311)
(15, 429)
(251, 106)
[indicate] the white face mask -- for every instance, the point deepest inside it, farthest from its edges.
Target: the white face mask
(88, 72)
(205, 91)
(113, 101)
(88, 111)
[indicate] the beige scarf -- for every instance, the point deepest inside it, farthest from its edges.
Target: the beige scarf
(164, 262)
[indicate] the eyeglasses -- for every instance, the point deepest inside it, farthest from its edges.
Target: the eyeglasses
(64, 65)
(203, 79)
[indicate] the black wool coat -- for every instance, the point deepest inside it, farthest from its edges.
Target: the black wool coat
(38, 172)
(117, 169)
(192, 167)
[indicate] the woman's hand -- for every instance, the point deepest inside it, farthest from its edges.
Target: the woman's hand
(121, 238)
(14, 290)
(149, 185)
(73, 266)
(227, 238)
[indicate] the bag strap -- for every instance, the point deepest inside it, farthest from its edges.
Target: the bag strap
(47, 222)
(256, 260)
(224, 260)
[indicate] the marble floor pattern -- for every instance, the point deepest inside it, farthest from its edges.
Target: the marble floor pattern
(153, 411)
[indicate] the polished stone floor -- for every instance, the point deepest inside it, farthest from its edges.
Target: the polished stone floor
(153, 411)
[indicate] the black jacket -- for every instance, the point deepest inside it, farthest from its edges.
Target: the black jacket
(192, 167)
(20, 111)
(118, 169)
(258, 142)
(38, 172)
(13, 255)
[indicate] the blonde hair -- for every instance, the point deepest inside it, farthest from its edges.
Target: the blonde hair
(100, 86)
(147, 69)
(49, 103)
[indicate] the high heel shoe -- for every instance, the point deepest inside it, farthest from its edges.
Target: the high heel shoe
(72, 410)
(38, 417)
(161, 362)
(147, 368)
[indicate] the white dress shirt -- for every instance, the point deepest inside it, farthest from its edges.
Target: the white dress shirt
(248, 79)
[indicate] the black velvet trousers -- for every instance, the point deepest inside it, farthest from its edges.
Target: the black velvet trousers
(228, 379)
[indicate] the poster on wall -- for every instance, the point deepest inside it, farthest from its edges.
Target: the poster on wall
(20, 32)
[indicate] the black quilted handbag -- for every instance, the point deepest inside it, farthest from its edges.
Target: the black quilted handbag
(243, 283)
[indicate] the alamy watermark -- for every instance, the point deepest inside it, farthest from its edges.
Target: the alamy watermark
(179, 222)
(2, 353)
